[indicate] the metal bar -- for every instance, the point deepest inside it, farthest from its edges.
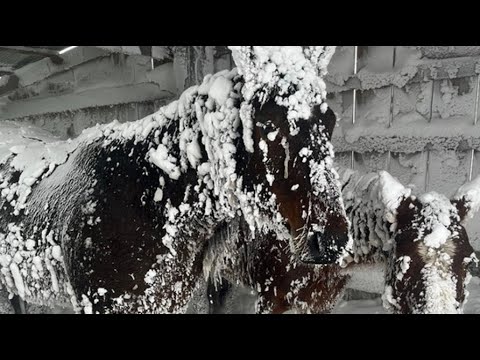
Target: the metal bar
(392, 94)
(354, 99)
(472, 161)
(475, 120)
(431, 102)
(427, 163)
(389, 160)
(475, 114)
(427, 166)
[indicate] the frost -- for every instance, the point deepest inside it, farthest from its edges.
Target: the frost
(164, 161)
(438, 236)
(17, 278)
(57, 253)
(220, 90)
(158, 195)
(272, 135)
(102, 291)
(441, 292)
(392, 192)
(87, 305)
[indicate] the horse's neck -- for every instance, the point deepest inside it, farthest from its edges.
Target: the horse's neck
(371, 232)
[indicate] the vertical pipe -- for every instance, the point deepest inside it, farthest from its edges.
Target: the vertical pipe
(392, 90)
(392, 94)
(427, 162)
(475, 120)
(354, 100)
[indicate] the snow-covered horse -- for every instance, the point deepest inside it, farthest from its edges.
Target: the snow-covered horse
(420, 241)
(118, 219)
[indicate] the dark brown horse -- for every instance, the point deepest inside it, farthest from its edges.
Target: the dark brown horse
(119, 219)
(420, 240)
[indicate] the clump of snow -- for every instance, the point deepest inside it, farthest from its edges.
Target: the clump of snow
(220, 90)
(435, 218)
(470, 192)
(392, 191)
(438, 236)
(164, 161)
(390, 302)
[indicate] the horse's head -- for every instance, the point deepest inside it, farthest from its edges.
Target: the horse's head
(428, 269)
(287, 127)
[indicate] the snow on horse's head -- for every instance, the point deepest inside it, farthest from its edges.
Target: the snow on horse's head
(287, 129)
(428, 269)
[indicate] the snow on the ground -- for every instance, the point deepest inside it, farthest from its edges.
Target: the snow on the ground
(370, 306)
(374, 306)
(243, 303)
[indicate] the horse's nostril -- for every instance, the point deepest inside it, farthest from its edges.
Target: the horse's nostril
(323, 249)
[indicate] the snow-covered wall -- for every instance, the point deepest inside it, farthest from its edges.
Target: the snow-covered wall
(419, 103)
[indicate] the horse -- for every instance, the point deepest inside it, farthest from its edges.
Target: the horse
(419, 242)
(118, 219)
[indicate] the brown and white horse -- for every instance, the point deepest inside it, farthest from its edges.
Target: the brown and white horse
(421, 242)
(118, 219)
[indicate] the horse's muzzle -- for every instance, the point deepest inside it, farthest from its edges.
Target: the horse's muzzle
(324, 249)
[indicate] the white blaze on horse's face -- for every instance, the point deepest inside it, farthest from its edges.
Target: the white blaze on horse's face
(428, 272)
(297, 167)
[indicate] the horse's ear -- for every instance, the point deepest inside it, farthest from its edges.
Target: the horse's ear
(242, 56)
(319, 57)
(467, 199)
(391, 192)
